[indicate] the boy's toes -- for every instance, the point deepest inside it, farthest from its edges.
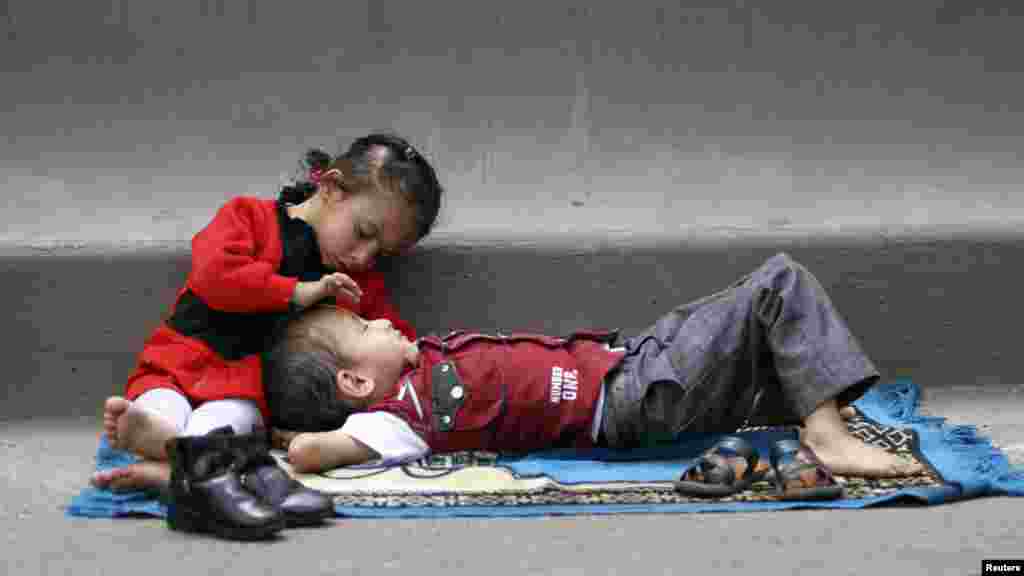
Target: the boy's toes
(909, 467)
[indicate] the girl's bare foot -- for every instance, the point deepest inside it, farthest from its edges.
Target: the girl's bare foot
(845, 454)
(134, 429)
(113, 408)
(144, 475)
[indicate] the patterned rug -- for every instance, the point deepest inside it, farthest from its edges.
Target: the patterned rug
(475, 479)
(960, 465)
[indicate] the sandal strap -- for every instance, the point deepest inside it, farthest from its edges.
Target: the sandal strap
(720, 453)
(784, 459)
(716, 468)
(783, 448)
(736, 445)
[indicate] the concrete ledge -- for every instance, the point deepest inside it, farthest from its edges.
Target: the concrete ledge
(936, 306)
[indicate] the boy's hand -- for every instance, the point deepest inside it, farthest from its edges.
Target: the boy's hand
(281, 439)
(336, 284)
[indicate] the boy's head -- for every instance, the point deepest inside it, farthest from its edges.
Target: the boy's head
(328, 363)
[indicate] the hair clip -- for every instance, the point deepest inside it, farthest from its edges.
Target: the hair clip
(409, 153)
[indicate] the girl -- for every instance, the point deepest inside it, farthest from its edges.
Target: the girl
(255, 263)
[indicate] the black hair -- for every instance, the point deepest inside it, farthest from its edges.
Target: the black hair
(414, 177)
(315, 160)
(299, 381)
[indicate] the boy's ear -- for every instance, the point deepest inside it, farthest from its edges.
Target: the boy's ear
(353, 385)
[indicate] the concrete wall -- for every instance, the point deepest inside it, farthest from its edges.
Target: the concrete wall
(134, 120)
(647, 152)
(943, 312)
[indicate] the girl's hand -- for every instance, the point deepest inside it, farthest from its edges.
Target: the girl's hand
(340, 285)
(337, 284)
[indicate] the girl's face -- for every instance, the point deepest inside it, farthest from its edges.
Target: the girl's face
(354, 229)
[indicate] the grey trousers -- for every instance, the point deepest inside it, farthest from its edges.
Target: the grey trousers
(769, 349)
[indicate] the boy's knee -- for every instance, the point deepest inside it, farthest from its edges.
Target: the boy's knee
(782, 260)
(781, 272)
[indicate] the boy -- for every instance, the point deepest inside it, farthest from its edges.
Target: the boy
(361, 391)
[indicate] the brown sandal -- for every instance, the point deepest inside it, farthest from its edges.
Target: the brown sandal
(800, 475)
(728, 467)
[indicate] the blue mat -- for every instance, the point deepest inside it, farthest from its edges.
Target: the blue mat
(965, 465)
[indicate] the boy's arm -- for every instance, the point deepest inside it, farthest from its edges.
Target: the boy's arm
(319, 451)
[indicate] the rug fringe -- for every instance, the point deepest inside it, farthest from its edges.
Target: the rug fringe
(977, 466)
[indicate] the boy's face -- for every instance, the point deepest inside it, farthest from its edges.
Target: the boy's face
(376, 349)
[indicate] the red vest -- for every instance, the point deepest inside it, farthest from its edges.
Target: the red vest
(511, 393)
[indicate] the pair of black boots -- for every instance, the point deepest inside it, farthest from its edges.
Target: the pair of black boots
(230, 485)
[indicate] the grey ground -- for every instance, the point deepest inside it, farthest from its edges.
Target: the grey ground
(603, 163)
(947, 539)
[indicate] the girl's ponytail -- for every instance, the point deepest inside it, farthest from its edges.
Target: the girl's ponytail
(316, 162)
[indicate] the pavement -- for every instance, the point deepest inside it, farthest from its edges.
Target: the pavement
(46, 462)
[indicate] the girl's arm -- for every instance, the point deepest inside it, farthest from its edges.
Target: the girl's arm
(227, 271)
(318, 451)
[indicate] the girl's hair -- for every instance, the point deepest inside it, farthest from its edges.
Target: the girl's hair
(299, 379)
(413, 177)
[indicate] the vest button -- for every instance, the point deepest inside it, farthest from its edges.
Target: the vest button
(446, 419)
(444, 367)
(457, 392)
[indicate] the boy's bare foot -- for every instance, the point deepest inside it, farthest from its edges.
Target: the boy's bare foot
(145, 475)
(134, 429)
(845, 454)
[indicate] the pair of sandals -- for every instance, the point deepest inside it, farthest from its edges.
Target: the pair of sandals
(731, 466)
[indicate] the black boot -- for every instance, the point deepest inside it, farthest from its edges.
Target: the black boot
(301, 506)
(206, 493)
